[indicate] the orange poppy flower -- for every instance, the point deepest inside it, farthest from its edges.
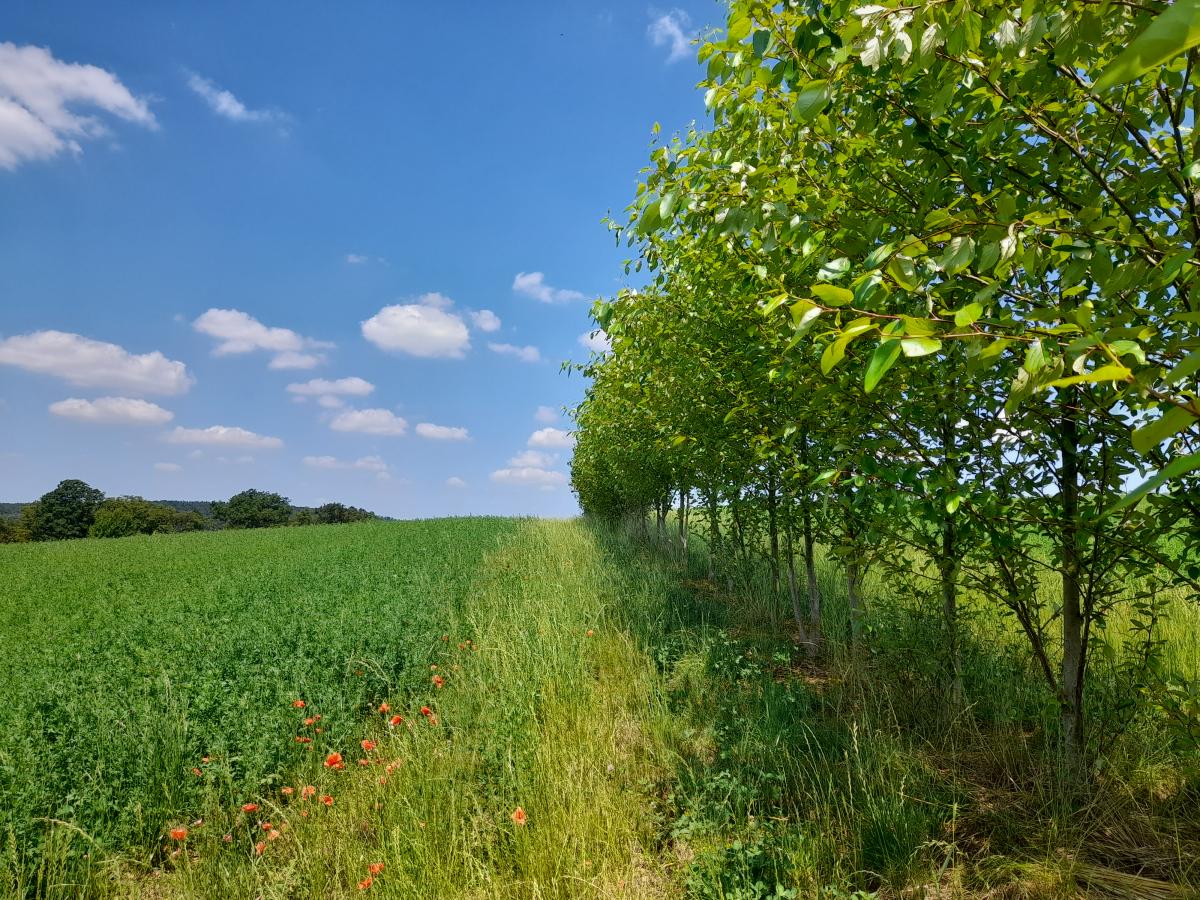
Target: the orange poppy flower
(395, 720)
(178, 834)
(204, 759)
(272, 835)
(301, 739)
(375, 868)
(299, 704)
(228, 839)
(383, 707)
(307, 791)
(590, 632)
(383, 779)
(438, 681)
(327, 800)
(364, 762)
(197, 772)
(265, 826)
(309, 721)
(334, 761)
(259, 848)
(519, 816)
(426, 711)
(286, 791)
(366, 883)
(249, 807)
(368, 745)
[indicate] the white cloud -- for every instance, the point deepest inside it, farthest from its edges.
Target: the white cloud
(88, 363)
(552, 438)
(419, 329)
(547, 415)
(227, 106)
(455, 482)
(533, 284)
(670, 29)
(535, 458)
(168, 467)
(441, 432)
(239, 332)
(369, 421)
(365, 463)
(222, 436)
(323, 388)
(436, 300)
(328, 401)
(35, 92)
(485, 320)
(529, 354)
(112, 411)
(356, 259)
(597, 341)
(530, 476)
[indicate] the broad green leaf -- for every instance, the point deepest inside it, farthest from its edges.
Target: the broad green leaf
(666, 207)
(920, 346)
(1174, 469)
(1154, 433)
(1189, 366)
(811, 100)
(1174, 31)
(804, 313)
(832, 295)
(958, 255)
(882, 359)
(1110, 372)
(834, 269)
(903, 273)
(968, 315)
(774, 303)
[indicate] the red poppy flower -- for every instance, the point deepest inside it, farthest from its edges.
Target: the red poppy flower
(299, 704)
(438, 681)
(272, 835)
(301, 739)
(327, 800)
(366, 883)
(228, 839)
(178, 834)
(309, 721)
(259, 848)
(197, 772)
(307, 791)
(249, 807)
(519, 816)
(286, 791)
(375, 868)
(368, 745)
(395, 720)
(334, 761)
(426, 711)
(383, 707)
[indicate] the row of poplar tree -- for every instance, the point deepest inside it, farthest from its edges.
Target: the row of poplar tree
(923, 295)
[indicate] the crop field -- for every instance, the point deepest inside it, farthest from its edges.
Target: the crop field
(125, 664)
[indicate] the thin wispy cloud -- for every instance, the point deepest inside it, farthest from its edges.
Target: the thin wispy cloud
(533, 284)
(227, 106)
(527, 354)
(112, 411)
(38, 98)
(671, 30)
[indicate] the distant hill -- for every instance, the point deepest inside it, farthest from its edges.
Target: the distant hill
(10, 510)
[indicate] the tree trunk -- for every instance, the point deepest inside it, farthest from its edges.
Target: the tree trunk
(793, 587)
(948, 569)
(810, 577)
(1073, 625)
(714, 534)
(853, 578)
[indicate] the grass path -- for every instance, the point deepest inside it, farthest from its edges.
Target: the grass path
(551, 708)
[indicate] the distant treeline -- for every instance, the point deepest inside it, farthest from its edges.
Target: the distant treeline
(75, 509)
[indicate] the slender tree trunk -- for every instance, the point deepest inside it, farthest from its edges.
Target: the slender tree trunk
(714, 534)
(773, 534)
(948, 569)
(810, 577)
(853, 579)
(1073, 624)
(683, 526)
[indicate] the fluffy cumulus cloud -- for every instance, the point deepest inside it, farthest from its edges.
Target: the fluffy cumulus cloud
(485, 320)
(533, 284)
(529, 353)
(547, 415)
(227, 106)
(441, 432)
(330, 393)
(40, 99)
(369, 421)
(670, 30)
(222, 436)
(538, 459)
(455, 482)
(112, 411)
(167, 467)
(239, 332)
(88, 363)
(552, 439)
(530, 476)
(427, 329)
(597, 341)
(373, 464)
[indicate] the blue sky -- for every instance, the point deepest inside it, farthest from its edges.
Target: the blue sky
(250, 245)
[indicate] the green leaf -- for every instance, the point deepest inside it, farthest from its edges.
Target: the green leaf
(958, 255)
(649, 219)
(1154, 433)
(667, 206)
(1174, 469)
(804, 313)
(834, 269)
(882, 359)
(920, 346)
(1175, 31)
(1110, 372)
(968, 315)
(903, 273)
(832, 295)
(1189, 366)
(774, 303)
(810, 100)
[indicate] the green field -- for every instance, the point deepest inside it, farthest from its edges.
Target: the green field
(661, 737)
